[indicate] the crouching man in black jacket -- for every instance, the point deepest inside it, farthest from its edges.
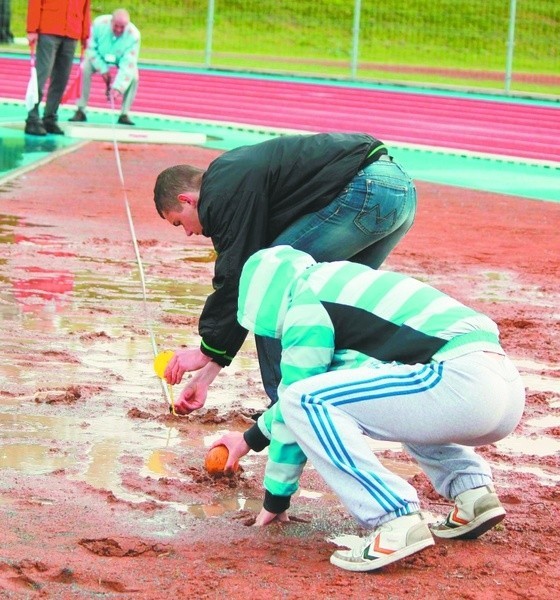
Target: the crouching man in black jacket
(335, 196)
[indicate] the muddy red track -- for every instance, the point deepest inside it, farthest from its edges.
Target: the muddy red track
(63, 537)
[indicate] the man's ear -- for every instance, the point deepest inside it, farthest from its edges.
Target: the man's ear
(187, 199)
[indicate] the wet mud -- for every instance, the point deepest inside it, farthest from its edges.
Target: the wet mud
(103, 493)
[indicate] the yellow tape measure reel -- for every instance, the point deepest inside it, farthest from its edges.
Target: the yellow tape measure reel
(160, 364)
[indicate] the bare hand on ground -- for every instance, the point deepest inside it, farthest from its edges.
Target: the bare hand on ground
(266, 518)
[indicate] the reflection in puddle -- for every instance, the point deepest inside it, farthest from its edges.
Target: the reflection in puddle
(158, 464)
(18, 150)
(227, 504)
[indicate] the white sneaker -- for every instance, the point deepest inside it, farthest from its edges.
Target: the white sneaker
(386, 544)
(476, 511)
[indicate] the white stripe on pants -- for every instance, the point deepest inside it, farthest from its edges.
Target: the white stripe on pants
(435, 410)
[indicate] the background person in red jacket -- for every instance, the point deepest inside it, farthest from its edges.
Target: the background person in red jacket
(54, 27)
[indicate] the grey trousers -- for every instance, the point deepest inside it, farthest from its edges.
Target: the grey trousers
(437, 411)
(54, 58)
(88, 71)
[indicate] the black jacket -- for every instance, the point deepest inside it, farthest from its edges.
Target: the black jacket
(252, 194)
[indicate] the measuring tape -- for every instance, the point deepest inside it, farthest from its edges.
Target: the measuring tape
(160, 358)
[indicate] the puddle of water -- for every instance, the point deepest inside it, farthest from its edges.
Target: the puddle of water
(534, 380)
(303, 493)
(19, 150)
(535, 446)
(33, 459)
(544, 422)
(545, 477)
(36, 444)
(542, 383)
(39, 444)
(226, 504)
(36, 441)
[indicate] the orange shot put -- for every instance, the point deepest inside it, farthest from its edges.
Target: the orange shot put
(216, 459)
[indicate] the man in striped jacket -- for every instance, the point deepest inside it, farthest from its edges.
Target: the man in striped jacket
(382, 354)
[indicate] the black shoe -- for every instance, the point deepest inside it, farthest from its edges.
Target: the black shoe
(35, 128)
(52, 127)
(79, 116)
(124, 120)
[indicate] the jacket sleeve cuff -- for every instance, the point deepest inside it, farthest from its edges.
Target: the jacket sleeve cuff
(218, 356)
(276, 504)
(255, 438)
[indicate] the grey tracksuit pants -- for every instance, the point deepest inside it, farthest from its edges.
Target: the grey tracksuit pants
(437, 411)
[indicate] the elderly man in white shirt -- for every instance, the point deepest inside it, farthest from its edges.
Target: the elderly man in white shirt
(114, 41)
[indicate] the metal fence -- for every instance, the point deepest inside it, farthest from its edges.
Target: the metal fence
(509, 46)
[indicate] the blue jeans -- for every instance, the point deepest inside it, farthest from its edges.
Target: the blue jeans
(362, 224)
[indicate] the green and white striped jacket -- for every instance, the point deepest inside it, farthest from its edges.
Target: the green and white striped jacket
(343, 315)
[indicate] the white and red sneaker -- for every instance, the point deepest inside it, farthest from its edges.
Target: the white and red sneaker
(386, 544)
(475, 512)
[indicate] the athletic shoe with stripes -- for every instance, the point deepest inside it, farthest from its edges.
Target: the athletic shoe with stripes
(386, 544)
(475, 512)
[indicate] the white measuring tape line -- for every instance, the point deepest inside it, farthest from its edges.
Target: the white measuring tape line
(165, 387)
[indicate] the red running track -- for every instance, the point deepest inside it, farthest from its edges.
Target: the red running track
(506, 127)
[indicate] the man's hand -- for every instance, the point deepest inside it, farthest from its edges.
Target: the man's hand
(107, 79)
(185, 360)
(266, 518)
(195, 392)
(114, 94)
(236, 445)
(32, 38)
(191, 398)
